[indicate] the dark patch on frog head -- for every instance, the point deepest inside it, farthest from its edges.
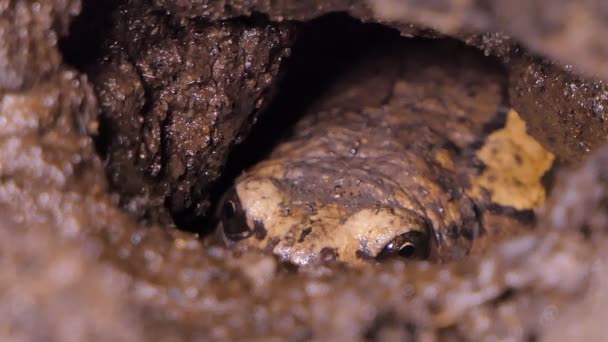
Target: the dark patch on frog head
(272, 243)
(288, 240)
(285, 209)
(470, 227)
(454, 149)
(304, 234)
(518, 159)
(452, 231)
(311, 207)
(259, 231)
(497, 122)
(472, 222)
(526, 216)
(470, 232)
(548, 179)
(449, 186)
(328, 255)
(364, 254)
(476, 163)
(233, 217)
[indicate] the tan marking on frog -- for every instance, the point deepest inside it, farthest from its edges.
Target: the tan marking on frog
(515, 164)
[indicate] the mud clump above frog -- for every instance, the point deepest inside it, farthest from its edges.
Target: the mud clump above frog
(176, 95)
(409, 157)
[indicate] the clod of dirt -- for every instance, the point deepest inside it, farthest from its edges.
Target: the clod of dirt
(566, 113)
(570, 32)
(29, 32)
(583, 197)
(175, 96)
(51, 291)
(576, 109)
(278, 11)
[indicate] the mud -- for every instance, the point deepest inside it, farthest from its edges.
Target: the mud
(30, 32)
(565, 112)
(175, 95)
(76, 266)
(567, 32)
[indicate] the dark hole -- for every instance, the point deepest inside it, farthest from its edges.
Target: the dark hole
(83, 44)
(506, 295)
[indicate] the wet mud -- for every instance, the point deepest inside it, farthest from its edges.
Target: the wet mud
(76, 265)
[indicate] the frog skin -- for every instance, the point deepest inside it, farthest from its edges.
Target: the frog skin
(369, 183)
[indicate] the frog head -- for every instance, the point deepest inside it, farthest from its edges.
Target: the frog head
(257, 213)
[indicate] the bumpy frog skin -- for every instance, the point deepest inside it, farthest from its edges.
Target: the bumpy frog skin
(307, 234)
(391, 179)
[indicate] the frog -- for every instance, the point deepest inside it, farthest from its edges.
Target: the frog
(407, 175)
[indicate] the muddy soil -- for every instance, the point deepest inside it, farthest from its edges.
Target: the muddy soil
(77, 266)
(175, 95)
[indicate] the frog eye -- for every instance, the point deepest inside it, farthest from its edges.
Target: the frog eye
(233, 217)
(410, 245)
(229, 209)
(407, 250)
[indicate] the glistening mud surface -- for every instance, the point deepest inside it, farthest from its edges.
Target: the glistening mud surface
(97, 274)
(175, 96)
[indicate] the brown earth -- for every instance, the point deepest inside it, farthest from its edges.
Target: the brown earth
(75, 266)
